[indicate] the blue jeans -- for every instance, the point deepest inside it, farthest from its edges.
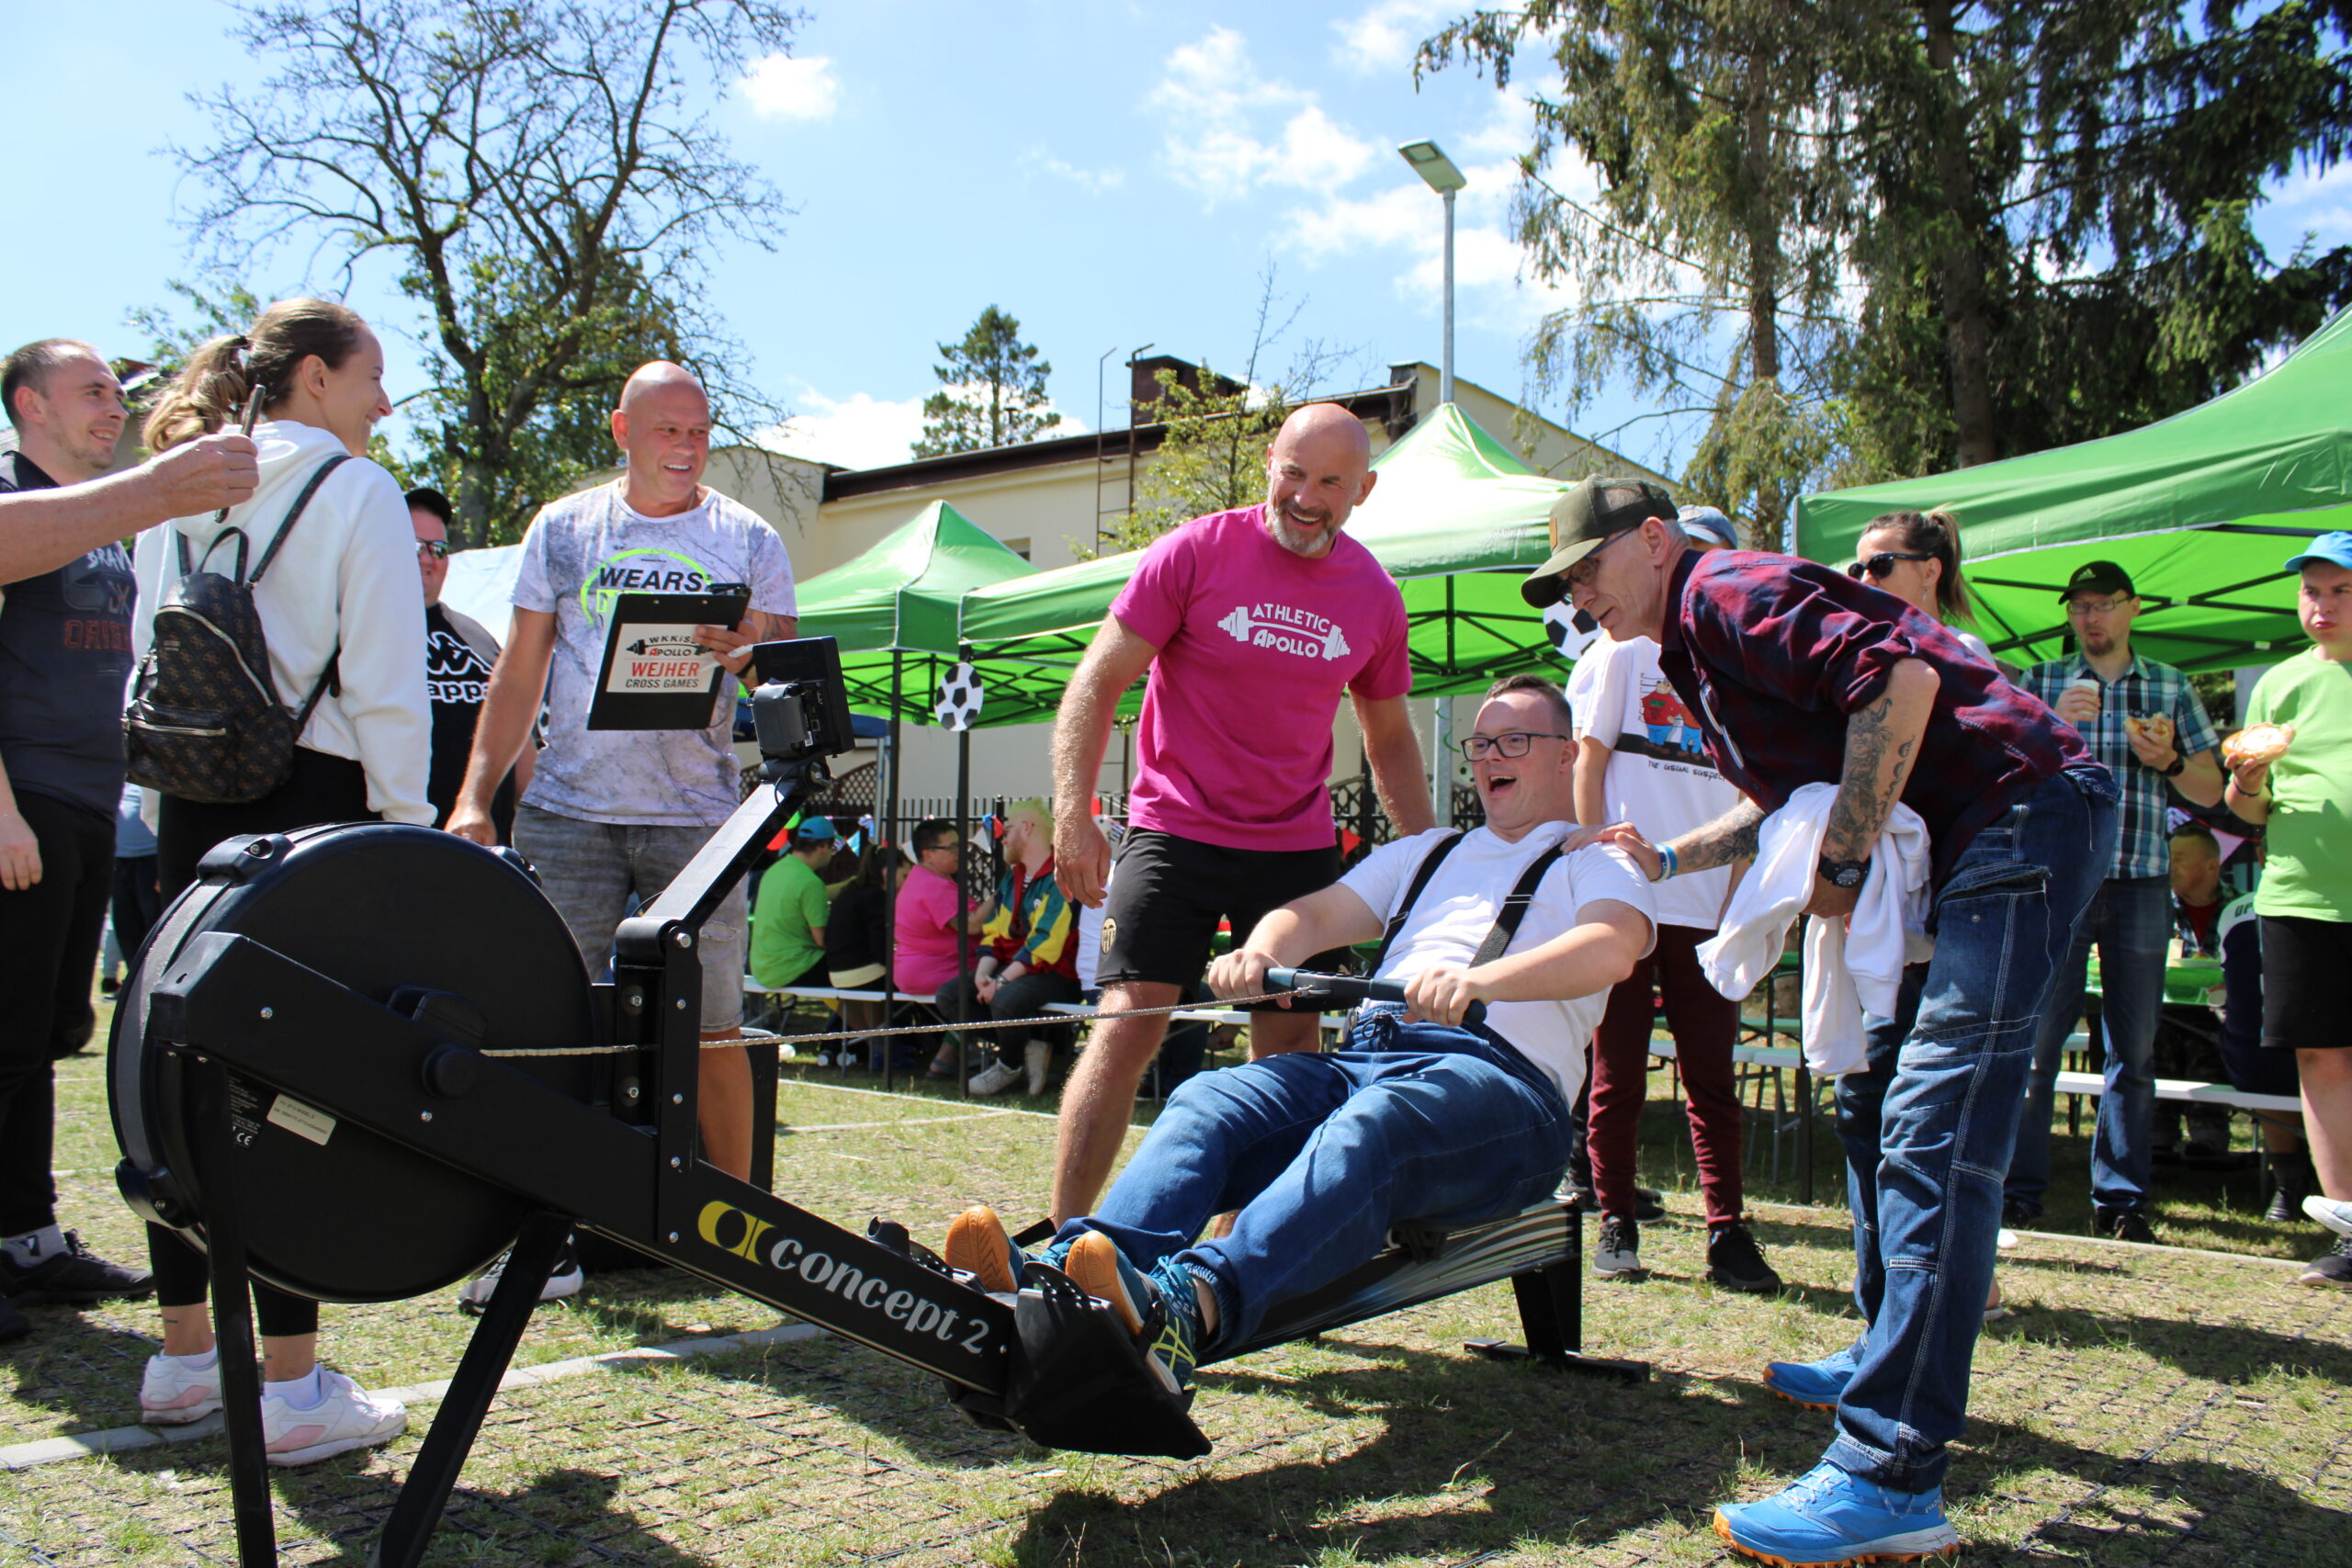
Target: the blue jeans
(2130, 919)
(1322, 1152)
(1929, 1123)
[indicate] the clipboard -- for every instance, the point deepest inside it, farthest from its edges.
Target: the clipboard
(654, 676)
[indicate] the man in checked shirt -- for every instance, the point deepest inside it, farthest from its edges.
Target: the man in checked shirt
(1798, 674)
(2145, 722)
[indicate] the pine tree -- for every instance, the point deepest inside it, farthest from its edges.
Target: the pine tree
(994, 385)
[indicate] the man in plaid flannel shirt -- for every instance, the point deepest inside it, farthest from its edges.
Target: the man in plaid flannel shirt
(2145, 722)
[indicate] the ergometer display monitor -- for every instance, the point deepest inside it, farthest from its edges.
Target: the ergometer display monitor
(358, 1062)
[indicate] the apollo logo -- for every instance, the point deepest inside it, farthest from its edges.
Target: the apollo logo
(1286, 629)
(743, 1235)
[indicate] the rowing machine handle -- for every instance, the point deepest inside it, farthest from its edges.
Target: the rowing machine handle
(1354, 988)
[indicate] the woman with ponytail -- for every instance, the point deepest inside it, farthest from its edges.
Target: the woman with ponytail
(1916, 556)
(344, 596)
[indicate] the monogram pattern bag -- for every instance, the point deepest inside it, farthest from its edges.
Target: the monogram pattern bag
(205, 723)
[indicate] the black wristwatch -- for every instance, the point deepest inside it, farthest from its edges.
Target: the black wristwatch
(2179, 764)
(1845, 874)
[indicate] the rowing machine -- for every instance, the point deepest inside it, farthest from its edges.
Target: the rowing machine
(359, 1061)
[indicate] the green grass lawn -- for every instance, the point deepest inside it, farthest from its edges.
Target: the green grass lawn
(2141, 1407)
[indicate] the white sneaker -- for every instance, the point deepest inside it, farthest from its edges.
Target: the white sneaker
(172, 1394)
(995, 1078)
(349, 1417)
(1038, 1059)
(2333, 1212)
(473, 1296)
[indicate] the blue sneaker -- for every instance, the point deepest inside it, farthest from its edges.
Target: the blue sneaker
(1829, 1518)
(1158, 1308)
(1816, 1385)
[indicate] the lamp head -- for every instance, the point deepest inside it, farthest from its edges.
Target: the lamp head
(1437, 170)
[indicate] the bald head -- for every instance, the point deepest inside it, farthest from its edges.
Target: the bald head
(657, 375)
(1317, 471)
(663, 428)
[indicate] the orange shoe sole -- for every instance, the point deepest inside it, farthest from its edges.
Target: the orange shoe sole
(977, 1244)
(1801, 1404)
(1722, 1528)
(1093, 1267)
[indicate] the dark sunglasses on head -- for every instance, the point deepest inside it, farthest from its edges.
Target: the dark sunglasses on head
(1882, 563)
(437, 548)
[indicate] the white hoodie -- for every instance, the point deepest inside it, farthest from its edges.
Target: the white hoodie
(348, 571)
(1853, 965)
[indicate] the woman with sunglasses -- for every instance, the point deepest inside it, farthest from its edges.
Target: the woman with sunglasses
(1916, 556)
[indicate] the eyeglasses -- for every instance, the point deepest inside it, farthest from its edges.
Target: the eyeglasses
(437, 548)
(1509, 743)
(2078, 608)
(1581, 575)
(1879, 565)
(953, 846)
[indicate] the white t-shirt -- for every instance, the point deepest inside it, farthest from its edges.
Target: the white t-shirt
(1457, 909)
(582, 552)
(1659, 778)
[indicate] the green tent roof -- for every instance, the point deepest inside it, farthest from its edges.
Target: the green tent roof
(2201, 509)
(1455, 517)
(900, 597)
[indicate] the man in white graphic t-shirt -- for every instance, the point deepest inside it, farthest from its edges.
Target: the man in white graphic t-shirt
(1640, 760)
(612, 813)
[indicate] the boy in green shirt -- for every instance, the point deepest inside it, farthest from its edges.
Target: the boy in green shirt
(788, 922)
(2304, 795)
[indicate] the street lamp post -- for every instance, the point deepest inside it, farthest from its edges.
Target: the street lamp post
(1439, 172)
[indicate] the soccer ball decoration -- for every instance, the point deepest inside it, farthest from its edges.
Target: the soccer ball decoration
(1561, 631)
(959, 698)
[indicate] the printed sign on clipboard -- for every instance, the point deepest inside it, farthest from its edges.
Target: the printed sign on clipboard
(655, 675)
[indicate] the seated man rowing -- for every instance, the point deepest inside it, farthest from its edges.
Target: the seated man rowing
(1425, 1115)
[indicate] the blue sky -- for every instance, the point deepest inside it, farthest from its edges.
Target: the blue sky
(1113, 175)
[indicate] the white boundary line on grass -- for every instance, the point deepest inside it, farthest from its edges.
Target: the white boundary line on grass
(130, 1439)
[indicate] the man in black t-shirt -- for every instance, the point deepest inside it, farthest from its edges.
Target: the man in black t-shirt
(64, 656)
(460, 653)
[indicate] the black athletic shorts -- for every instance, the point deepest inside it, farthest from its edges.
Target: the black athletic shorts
(2304, 961)
(1168, 894)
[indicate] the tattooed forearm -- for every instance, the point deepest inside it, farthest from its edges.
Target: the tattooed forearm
(1881, 747)
(1731, 837)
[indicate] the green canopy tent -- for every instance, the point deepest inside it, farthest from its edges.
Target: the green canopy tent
(893, 611)
(1455, 517)
(2201, 509)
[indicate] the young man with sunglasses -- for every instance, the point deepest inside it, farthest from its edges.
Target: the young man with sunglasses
(1639, 760)
(2144, 720)
(1423, 1115)
(1797, 674)
(459, 654)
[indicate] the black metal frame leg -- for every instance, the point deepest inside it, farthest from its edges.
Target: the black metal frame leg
(418, 1507)
(233, 1315)
(1551, 1315)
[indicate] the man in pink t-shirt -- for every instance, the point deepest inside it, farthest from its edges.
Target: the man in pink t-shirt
(1252, 623)
(930, 942)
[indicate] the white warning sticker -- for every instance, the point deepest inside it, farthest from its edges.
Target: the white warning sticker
(303, 1121)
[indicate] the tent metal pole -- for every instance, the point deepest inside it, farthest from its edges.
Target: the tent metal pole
(964, 993)
(890, 875)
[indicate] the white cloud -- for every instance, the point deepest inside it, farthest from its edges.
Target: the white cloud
(862, 431)
(1094, 182)
(1227, 129)
(785, 86)
(858, 431)
(1386, 36)
(2320, 202)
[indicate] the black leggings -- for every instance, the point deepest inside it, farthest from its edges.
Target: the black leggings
(321, 789)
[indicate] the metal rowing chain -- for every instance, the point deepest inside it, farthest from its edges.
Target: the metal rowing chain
(764, 1039)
